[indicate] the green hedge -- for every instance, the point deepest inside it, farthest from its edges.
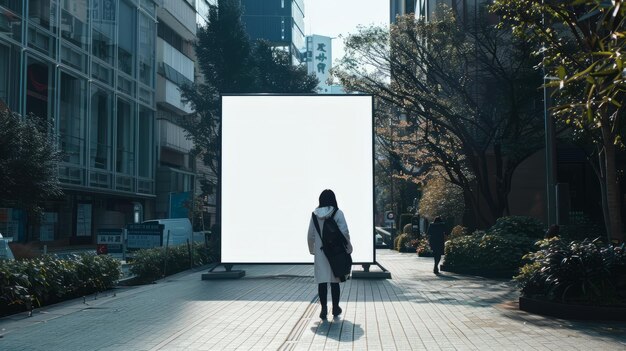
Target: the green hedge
(149, 264)
(49, 279)
(579, 272)
(519, 226)
(487, 252)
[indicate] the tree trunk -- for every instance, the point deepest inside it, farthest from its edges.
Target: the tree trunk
(614, 230)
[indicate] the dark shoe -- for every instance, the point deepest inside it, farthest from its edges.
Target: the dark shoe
(337, 311)
(436, 270)
(324, 312)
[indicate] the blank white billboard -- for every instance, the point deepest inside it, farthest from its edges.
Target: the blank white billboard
(278, 153)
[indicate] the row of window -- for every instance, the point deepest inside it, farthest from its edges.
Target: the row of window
(106, 138)
(116, 32)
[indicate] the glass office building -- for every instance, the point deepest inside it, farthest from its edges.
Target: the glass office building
(281, 22)
(88, 67)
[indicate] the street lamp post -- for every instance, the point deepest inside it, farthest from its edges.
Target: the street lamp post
(550, 139)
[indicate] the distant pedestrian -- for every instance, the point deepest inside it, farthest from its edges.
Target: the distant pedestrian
(323, 273)
(436, 232)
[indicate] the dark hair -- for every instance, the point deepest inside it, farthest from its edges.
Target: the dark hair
(327, 198)
(437, 220)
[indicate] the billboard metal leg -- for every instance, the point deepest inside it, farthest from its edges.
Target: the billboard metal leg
(366, 274)
(227, 273)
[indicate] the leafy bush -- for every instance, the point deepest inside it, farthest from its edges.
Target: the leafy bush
(458, 231)
(587, 272)
(423, 248)
(405, 243)
(50, 279)
(519, 226)
(408, 228)
(149, 264)
(487, 252)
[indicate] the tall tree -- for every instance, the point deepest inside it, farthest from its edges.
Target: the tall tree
(464, 98)
(28, 163)
(229, 63)
(582, 44)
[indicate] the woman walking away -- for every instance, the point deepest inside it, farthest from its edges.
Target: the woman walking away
(435, 239)
(323, 273)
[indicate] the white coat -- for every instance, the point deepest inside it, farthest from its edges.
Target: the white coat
(321, 267)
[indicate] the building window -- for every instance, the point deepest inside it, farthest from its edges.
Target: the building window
(126, 38)
(145, 156)
(43, 13)
(10, 76)
(74, 22)
(146, 50)
(100, 127)
(125, 138)
(39, 89)
(72, 118)
(103, 30)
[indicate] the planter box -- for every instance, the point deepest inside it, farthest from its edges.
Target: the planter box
(567, 311)
(498, 274)
(425, 255)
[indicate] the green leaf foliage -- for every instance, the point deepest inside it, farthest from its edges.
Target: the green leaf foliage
(49, 279)
(152, 264)
(487, 252)
(518, 226)
(28, 163)
(583, 272)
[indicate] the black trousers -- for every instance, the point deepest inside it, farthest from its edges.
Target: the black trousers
(322, 290)
(437, 260)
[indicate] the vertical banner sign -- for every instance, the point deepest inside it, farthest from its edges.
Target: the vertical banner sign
(319, 60)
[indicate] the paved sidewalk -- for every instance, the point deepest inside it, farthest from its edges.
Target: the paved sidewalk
(274, 308)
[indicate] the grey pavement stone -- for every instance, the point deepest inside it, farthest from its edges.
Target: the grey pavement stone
(274, 308)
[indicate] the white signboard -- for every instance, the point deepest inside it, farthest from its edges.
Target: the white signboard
(278, 154)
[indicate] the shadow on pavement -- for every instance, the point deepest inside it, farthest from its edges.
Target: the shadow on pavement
(338, 329)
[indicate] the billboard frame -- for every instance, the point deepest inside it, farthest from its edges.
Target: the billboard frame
(219, 166)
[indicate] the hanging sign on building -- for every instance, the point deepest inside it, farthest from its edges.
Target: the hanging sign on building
(319, 60)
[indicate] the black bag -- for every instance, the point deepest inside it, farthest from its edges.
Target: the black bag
(334, 247)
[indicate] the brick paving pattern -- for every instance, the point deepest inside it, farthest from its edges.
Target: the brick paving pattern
(274, 308)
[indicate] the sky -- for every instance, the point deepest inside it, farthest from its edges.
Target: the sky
(333, 18)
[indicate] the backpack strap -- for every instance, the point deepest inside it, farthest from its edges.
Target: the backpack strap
(317, 225)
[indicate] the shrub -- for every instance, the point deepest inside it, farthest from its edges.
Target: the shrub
(423, 248)
(487, 252)
(518, 226)
(458, 231)
(405, 243)
(407, 229)
(405, 219)
(48, 279)
(587, 272)
(149, 264)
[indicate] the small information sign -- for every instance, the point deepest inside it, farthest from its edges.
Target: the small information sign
(144, 236)
(112, 238)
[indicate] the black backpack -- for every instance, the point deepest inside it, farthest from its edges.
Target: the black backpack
(334, 246)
